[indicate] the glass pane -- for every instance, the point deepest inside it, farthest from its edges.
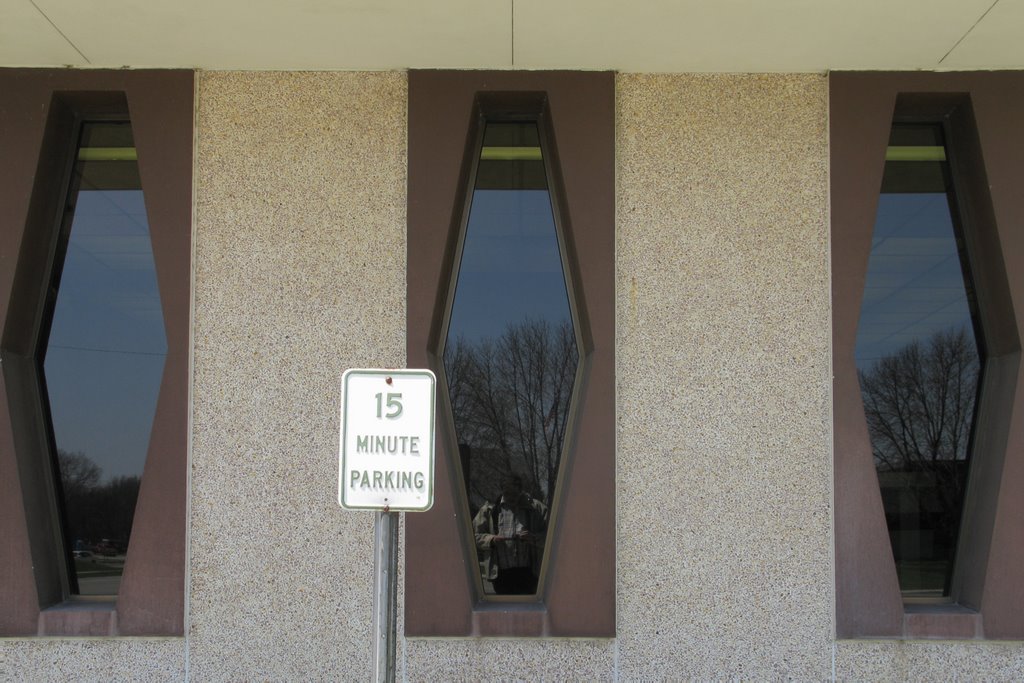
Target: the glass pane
(510, 358)
(104, 355)
(918, 358)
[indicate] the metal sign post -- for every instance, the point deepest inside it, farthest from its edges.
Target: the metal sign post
(385, 596)
(386, 463)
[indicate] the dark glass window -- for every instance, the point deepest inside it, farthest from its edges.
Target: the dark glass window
(919, 354)
(510, 357)
(101, 355)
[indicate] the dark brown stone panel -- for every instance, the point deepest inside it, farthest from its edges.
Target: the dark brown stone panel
(37, 108)
(579, 598)
(988, 591)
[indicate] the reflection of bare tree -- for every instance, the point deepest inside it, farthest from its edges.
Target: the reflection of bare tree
(78, 473)
(510, 399)
(919, 404)
(96, 511)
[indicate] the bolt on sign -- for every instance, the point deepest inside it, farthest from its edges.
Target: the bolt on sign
(386, 458)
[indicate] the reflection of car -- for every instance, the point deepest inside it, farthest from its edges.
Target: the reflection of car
(82, 553)
(105, 547)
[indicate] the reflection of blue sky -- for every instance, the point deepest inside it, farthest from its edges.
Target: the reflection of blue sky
(510, 269)
(106, 349)
(914, 285)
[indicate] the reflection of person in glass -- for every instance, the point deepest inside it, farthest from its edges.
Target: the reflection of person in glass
(510, 535)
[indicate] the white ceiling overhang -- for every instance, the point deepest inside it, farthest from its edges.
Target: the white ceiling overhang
(651, 35)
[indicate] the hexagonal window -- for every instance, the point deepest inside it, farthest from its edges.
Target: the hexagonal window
(100, 355)
(511, 356)
(919, 356)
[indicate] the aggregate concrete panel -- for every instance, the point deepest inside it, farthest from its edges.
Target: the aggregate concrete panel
(38, 660)
(299, 275)
(516, 659)
(927, 661)
(723, 364)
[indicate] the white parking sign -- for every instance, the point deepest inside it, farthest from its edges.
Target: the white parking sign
(386, 456)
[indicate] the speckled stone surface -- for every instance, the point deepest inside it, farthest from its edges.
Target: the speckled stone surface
(493, 659)
(92, 659)
(299, 274)
(722, 313)
(895, 660)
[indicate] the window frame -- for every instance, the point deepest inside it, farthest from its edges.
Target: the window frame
(987, 597)
(578, 597)
(39, 121)
(504, 108)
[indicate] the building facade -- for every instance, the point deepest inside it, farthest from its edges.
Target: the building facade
(718, 512)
